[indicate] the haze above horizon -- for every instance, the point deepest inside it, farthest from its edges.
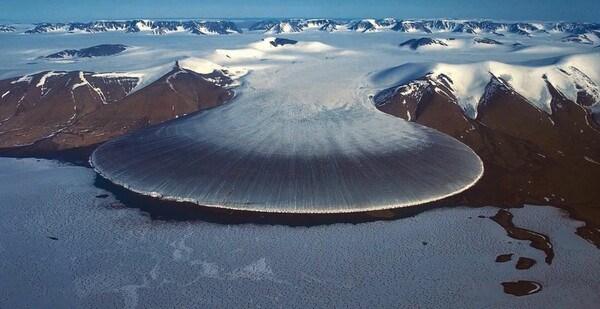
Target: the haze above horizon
(78, 10)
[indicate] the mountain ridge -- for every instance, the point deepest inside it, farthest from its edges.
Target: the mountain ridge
(291, 25)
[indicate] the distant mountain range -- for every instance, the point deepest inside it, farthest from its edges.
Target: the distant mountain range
(275, 26)
(133, 26)
(6, 28)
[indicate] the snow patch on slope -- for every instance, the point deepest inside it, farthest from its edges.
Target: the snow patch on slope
(85, 82)
(23, 79)
(42, 82)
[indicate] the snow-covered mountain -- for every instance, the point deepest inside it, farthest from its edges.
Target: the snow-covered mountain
(574, 78)
(411, 26)
(263, 25)
(582, 38)
(425, 26)
(323, 24)
(365, 25)
(134, 26)
(67, 109)
(277, 26)
(295, 25)
(414, 44)
(7, 28)
(534, 125)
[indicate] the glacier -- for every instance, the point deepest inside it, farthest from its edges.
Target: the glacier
(288, 144)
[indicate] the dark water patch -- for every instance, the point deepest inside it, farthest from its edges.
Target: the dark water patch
(537, 240)
(503, 258)
(521, 287)
(525, 263)
(45, 149)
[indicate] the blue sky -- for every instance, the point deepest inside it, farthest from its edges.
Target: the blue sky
(83, 10)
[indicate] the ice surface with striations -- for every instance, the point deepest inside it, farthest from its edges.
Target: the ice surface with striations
(288, 144)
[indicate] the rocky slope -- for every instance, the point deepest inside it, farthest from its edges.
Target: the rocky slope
(530, 156)
(55, 111)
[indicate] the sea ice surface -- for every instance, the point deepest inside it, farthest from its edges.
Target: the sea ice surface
(109, 256)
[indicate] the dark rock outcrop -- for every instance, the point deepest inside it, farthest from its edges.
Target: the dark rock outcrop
(281, 42)
(414, 44)
(89, 52)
